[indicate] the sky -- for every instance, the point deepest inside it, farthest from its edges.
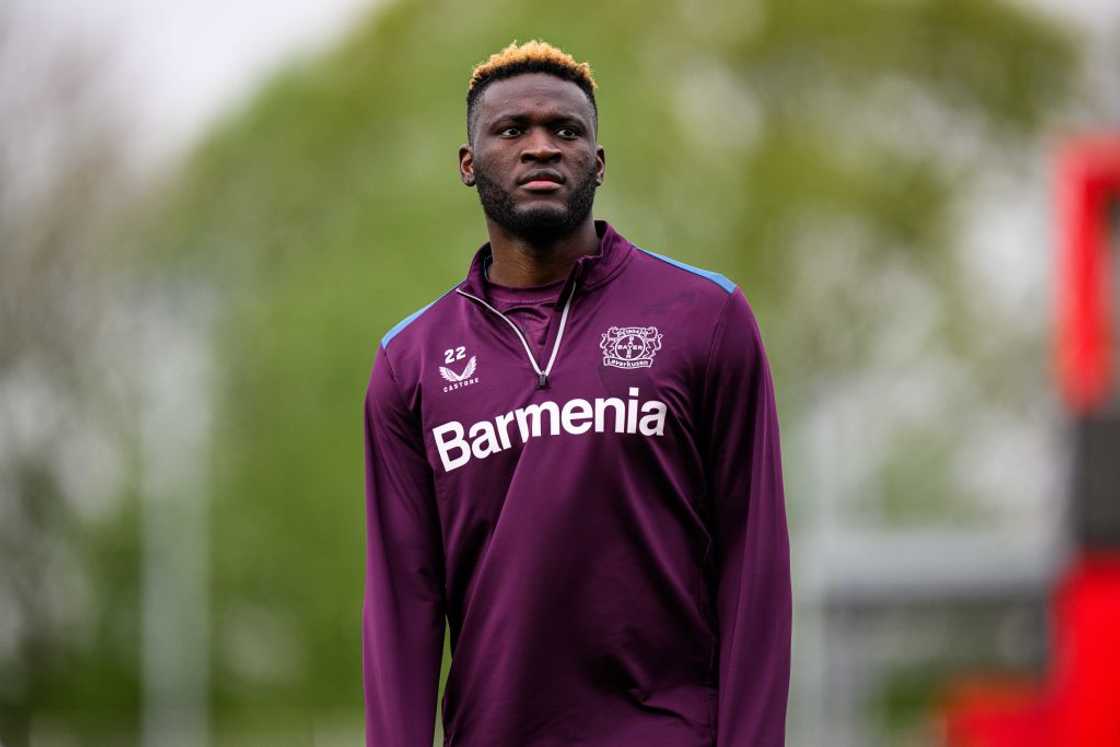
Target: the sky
(180, 63)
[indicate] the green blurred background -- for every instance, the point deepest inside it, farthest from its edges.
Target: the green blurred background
(184, 351)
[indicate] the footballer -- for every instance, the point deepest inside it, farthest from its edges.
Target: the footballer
(572, 460)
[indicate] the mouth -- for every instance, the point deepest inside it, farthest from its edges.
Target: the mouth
(541, 185)
(544, 180)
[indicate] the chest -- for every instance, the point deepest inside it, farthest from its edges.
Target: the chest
(614, 370)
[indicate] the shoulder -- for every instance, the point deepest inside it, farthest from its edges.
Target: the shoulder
(710, 296)
(727, 299)
(672, 271)
(413, 326)
(402, 343)
(710, 306)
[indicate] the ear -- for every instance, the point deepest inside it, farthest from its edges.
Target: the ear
(466, 165)
(601, 164)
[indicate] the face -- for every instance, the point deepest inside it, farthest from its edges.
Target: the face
(535, 158)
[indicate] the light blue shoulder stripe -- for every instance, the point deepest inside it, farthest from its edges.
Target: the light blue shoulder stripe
(715, 277)
(399, 326)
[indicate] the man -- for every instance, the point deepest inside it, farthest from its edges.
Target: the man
(573, 454)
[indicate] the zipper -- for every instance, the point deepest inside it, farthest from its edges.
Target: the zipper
(542, 376)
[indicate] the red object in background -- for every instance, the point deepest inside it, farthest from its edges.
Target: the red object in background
(986, 712)
(1088, 180)
(1080, 705)
(1086, 675)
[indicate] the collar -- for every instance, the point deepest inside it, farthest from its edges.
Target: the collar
(590, 270)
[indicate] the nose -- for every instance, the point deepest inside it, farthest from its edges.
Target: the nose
(539, 146)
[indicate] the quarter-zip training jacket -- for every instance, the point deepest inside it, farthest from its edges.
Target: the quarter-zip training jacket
(601, 522)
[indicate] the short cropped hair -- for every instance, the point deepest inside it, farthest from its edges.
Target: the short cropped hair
(534, 56)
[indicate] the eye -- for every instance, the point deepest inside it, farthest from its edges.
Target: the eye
(504, 130)
(572, 133)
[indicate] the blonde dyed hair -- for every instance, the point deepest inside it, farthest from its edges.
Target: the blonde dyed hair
(534, 56)
(532, 51)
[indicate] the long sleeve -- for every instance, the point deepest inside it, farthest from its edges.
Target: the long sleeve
(403, 606)
(744, 473)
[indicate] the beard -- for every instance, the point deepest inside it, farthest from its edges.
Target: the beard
(543, 222)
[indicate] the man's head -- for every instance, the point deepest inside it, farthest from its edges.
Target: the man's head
(532, 118)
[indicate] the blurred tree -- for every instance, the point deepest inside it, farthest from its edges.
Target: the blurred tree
(68, 541)
(814, 152)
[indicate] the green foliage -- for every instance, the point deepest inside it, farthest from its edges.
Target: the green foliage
(743, 138)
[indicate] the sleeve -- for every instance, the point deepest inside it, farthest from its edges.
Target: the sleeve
(744, 472)
(403, 606)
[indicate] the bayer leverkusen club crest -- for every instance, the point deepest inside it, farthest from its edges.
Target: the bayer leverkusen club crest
(630, 347)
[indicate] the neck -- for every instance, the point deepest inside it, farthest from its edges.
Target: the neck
(520, 262)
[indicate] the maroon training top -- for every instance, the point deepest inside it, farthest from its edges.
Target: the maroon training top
(585, 480)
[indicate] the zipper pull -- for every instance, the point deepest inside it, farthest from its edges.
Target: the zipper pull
(542, 380)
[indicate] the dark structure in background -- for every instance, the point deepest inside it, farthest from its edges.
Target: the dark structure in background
(1089, 333)
(1079, 704)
